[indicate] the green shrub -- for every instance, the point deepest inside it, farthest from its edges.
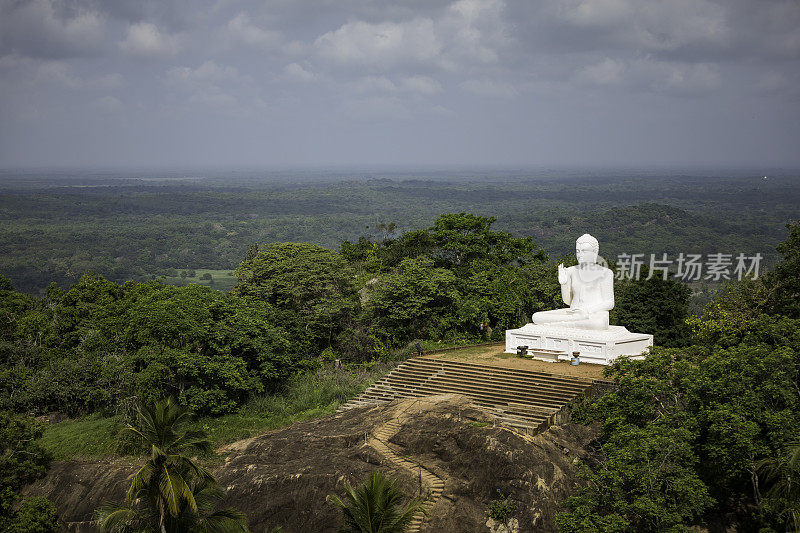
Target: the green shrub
(502, 509)
(35, 515)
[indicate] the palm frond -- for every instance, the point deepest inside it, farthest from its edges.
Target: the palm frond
(224, 521)
(206, 495)
(116, 518)
(141, 479)
(175, 491)
(375, 506)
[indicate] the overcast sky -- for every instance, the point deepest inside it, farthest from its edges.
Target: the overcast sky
(408, 82)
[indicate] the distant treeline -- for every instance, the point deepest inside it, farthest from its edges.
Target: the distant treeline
(135, 230)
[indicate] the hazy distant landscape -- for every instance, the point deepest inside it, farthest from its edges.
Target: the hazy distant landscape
(134, 226)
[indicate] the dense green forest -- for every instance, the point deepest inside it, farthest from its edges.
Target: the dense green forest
(702, 432)
(54, 228)
(99, 344)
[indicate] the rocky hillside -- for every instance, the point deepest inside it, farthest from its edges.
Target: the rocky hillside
(281, 478)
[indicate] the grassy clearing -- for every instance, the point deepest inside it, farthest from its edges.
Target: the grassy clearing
(440, 345)
(221, 280)
(477, 351)
(93, 435)
(306, 396)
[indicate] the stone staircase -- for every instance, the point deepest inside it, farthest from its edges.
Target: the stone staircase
(434, 484)
(526, 400)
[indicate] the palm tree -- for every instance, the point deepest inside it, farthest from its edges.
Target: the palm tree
(784, 473)
(133, 517)
(162, 429)
(375, 506)
(171, 492)
(206, 519)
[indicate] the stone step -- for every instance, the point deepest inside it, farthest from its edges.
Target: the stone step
(486, 384)
(498, 383)
(513, 418)
(476, 401)
(444, 363)
(518, 423)
(537, 414)
(486, 390)
(421, 373)
(490, 385)
(497, 373)
(518, 398)
(501, 411)
(506, 409)
(431, 367)
(478, 393)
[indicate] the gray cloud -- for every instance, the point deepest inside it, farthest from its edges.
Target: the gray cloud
(382, 45)
(145, 39)
(687, 30)
(490, 88)
(458, 36)
(241, 28)
(650, 25)
(49, 29)
(410, 84)
(452, 81)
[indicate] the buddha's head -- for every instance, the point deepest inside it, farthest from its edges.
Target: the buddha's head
(586, 249)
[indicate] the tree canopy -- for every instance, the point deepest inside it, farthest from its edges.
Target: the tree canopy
(22, 460)
(456, 278)
(310, 288)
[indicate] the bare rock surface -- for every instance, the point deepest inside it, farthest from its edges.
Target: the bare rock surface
(282, 478)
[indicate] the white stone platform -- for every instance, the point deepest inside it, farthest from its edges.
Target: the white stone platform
(595, 346)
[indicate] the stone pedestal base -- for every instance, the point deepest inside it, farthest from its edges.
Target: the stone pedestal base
(595, 346)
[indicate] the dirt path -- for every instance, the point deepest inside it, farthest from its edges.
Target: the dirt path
(495, 356)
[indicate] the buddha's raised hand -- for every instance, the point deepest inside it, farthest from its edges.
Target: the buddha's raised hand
(562, 274)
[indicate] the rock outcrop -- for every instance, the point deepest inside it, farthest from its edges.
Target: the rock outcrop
(282, 478)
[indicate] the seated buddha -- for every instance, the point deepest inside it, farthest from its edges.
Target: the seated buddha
(587, 288)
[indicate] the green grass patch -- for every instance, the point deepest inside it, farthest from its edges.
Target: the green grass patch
(305, 397)
(497, 351)
(452, 343)
(92, 435)
(429, 346)
(222, 280)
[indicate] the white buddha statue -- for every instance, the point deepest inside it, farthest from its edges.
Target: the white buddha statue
(588, 289)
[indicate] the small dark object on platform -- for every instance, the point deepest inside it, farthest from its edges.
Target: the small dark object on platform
(419, 348)
(522, 351)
